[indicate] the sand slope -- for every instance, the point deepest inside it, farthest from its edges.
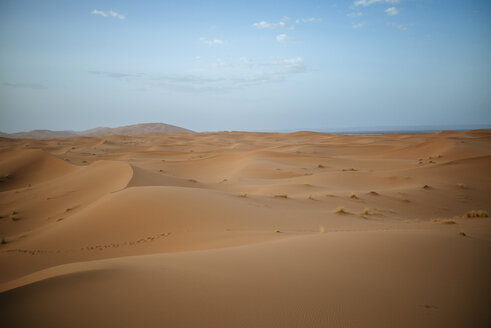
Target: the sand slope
(241, 230)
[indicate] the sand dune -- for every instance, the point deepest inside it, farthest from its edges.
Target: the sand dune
(238, 229)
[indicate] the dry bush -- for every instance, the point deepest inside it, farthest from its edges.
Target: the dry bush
(476, 214)
(281, 196)
(341, 210)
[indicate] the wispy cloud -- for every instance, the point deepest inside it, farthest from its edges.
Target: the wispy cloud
(98, 12)
(211, 42)
(117, 75)
(25, 85)
(110, 13)
(401, 27)
(355, 14)
(358, 25)
(264, 24)
(308, 20)
(366, 3)
(245, 73)
(281, 38)
(392, 11)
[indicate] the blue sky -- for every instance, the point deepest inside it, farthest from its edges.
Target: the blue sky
(244, 65)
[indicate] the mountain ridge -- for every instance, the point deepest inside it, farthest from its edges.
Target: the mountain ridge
(134, 129)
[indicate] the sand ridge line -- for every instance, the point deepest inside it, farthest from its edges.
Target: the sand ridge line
(90, 248)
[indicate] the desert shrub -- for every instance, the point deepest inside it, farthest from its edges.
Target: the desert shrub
(476, 214)
(341, 210)
(281, 196)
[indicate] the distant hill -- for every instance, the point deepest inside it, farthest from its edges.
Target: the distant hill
(135, 129)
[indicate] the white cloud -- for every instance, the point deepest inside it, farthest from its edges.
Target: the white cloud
(110, 13)
(401, 27)
(117, 15)
(281, 37)
(358, 25)
(98, 12)
(211, 42)
(289, 65)
(392, 11)
(264, 24)
(355, 15)
(311, 20)
(197, 58)
(366, 3)
(290, 61)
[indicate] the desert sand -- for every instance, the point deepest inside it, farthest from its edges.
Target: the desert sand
(238, 229)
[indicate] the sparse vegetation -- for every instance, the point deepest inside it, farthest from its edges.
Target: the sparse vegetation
(330, 195)
(311, 197)
(462, 234)
(277, 231)
(14, 217)
(426, 187)
(281, 196)
(460, 185)
(373, 193)
(60, 219)
(366, 211)
(322, 229)
(350, 169)
(3, 240)
(341, 210)
(243, 195)
(320, 166)
(476, 214)
(353, 196)
(192, 180)
(448, 221)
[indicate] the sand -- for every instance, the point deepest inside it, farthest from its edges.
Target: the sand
(239, 229)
